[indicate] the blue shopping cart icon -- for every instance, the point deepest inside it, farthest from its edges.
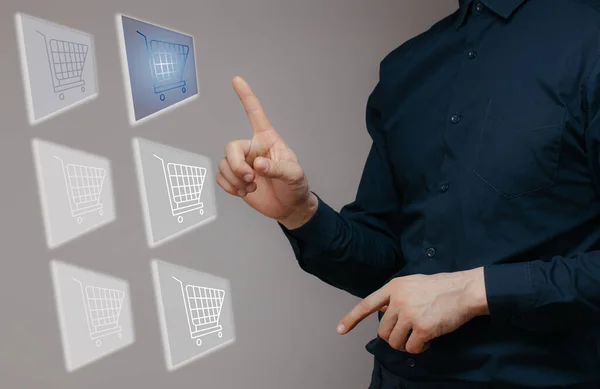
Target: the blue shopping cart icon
(167, 63)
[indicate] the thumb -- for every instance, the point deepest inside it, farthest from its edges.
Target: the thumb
(286, 171)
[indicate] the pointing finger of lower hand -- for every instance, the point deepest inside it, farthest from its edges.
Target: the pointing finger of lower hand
(369, 305)
(256, 114)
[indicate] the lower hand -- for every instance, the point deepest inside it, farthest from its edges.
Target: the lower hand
(419, 308)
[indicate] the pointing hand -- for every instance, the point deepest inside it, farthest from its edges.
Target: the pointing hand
(264, 170)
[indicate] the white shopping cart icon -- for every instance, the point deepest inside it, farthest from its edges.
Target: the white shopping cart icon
(203, 309)
(66, 61)
(184, 185)
(84, 186)
(102, 310)
(167, 62)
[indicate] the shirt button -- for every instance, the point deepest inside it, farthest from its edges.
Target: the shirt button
(430, 252)
(472, 54)
(444, 187)
(410, 362)
(479, 7)
(455, 119)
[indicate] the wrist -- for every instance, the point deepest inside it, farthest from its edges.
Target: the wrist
(301, 213)
(475, 292)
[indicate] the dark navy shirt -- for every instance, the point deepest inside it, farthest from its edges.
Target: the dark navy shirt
(486, 152)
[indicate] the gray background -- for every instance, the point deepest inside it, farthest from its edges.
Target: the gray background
(145, 101)
(313, 64)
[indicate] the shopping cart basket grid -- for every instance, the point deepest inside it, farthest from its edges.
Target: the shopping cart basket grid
(66, 60)
(184, 186)
(203, 310)
(102, 309)
(84, 187)
(167, 62)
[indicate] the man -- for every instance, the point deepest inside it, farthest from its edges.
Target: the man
(475, 232)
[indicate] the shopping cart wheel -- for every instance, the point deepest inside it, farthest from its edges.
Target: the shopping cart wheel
(101, 212)
(98, 343)
(198, 342)
(220, 334)
(179, 219)
(162, 97)
(61, 96)
(183, 89)
(79, 220)
(83, 88)
(201, 212)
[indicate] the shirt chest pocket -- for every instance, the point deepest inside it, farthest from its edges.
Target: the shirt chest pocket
(516, 157)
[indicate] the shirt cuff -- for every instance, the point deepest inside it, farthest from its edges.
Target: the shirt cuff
(319, 231)
(509, 290)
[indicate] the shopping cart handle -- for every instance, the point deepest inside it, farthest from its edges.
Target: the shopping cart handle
(145, 39)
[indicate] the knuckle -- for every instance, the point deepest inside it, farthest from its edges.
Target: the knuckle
(222, 181)
(423, 328)
(383, 334)
(229, 147)
(296, 177)
(237, 169)
(231, 190)
(396, 345)
(411, 349)
(233, 148)
(223, 164)
(251, 108)
(225, 185)
(409, 314)
(397, 283)
(363, 305)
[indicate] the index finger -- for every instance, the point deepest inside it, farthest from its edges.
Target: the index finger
(254, 110)
(372, 303)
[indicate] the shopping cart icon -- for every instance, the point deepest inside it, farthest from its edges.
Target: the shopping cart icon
(184, 185)
(202, 309)
(66, 60)
(167, 63)
(84, 186)
(102, 310)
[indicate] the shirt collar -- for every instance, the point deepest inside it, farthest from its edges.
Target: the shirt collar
(503, 8)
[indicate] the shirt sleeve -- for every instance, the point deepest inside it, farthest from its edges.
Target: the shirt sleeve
(558, 293)
(356, 249)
